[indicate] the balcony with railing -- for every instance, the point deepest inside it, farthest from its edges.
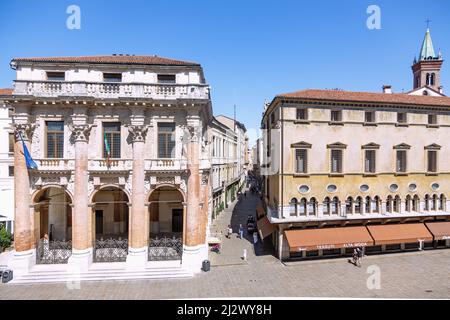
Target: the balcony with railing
(165, 164)
(105, 90)
(110, 165)
(55, 164)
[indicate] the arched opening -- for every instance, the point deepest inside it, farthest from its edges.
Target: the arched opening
(335, 206)
(434, 202)
(376, 204)
(302, 207)
(427, 202)
(397, 204)
(312, 207)
(53, 225)
(110, 224)
(408, 203)
(327, 206)
(358, 205)
(293, 207)
(389, 204)
(432, 79)
(166, 229)
(442, 201)
(428, 78)
(349, 205)
(415, 203)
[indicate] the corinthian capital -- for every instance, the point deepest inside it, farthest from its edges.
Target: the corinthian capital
(137, 132)
(80, 132)
(24, 130)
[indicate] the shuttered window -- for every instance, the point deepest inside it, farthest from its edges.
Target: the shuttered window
(301, 161)
(336, 161)
(166, 140)
(302, 114)
(369, 161)
(432, 161)
(401, 161)
(55, 139)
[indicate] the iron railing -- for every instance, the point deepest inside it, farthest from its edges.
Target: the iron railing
(162, 248)
(53, 252)
(111, 250)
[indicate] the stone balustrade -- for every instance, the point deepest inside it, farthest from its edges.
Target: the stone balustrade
(55, 89)
(55, 164)
(165, 164)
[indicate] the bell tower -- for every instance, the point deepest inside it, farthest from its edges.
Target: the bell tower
(427, 70)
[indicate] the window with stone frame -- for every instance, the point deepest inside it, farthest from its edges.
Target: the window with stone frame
(112, 135)
(432, 119)
(301, 161)
(369, 116)
(336, 160)
(55, 139)
(401, 158)
(302, 114)
(402, 117)
(11, 142)
(432, 161)
(166, 78)
(166, 140)
(112, 77)
(336, 115)
(370, 161)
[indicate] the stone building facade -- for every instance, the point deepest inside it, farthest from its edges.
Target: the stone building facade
(122, 147)
(341, 168)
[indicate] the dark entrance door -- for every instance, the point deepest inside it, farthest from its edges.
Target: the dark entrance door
(43, 227)
(177, 220)
(98, 221)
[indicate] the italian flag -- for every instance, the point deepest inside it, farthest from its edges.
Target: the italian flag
(108, 149)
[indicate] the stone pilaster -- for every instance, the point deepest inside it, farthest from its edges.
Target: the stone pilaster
(24, 255)
(139, 218)
(195, 248)
(82, 241)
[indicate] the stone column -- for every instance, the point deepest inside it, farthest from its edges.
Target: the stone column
(82, 241)
(24, 256)
(195, 249)
(139, 218)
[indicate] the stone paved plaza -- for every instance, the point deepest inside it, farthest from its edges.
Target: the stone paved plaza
(404, 275)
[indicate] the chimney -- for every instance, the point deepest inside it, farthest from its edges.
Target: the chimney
(441, 90)
(387, 89)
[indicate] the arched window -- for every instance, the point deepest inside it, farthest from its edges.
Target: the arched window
(434, 202)
(442, 202)
(349, 205)
(415, 203)
(312, 205)
(326, 206)
(302, 208)
(293, 207)
(408, 203)
(389, 204)
(376, 204)
(397, 203)
(368, 204)
(427, 202)
(432, 79)
(428, 80)
(335, 206)
(358, 205)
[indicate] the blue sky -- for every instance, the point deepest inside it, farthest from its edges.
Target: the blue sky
(250, 50)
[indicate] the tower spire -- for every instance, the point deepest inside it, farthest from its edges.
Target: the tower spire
(427, 50)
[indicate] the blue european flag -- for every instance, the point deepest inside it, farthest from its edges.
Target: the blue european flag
(28, 159)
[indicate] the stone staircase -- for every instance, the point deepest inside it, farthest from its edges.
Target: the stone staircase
(103, 272)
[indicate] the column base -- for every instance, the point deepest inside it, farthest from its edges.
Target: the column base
(137, 257)
(22, 261)
(193, 257)
(81, 259)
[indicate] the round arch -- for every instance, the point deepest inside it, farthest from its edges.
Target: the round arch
(167, 185)
(106, 186)
(37, 193)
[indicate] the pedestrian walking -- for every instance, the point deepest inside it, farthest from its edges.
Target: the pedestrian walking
(255, 237)
(229, 231)
(245, 194)
(241, 231)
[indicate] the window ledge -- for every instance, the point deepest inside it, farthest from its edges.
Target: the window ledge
(402, 125)
(297, 121)
(336, 175)
(434, 126)
(370, 124)
(336, 123)
(431, 174)
(370, 175)
(400, 174)
(301, 175)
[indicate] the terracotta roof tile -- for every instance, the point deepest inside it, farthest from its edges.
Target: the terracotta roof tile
(6, 91)
(367, 97)
(112, 59)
